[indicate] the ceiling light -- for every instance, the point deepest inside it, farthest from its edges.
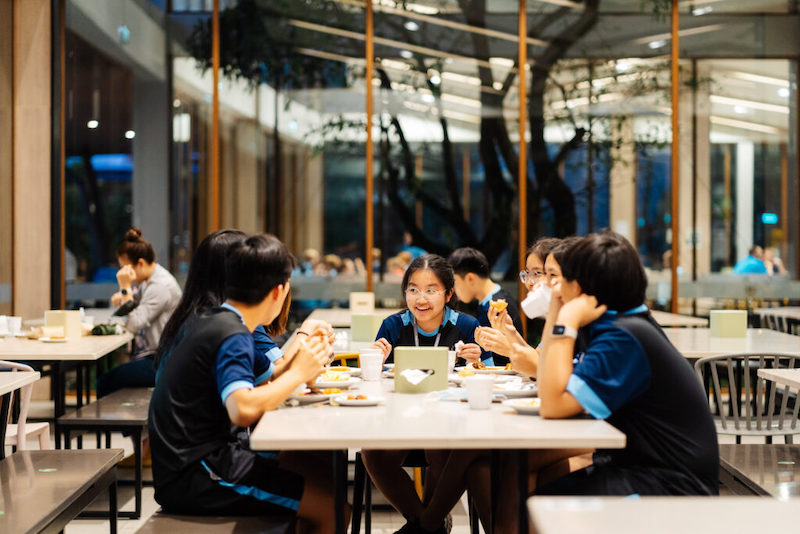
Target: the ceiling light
(783, 92)
(92, 124)
(497, 85)
(741, 110)
(501, 62)
(653, 45)
(623, 66)
(429, 98)
(130, 134)
(407, 54)
(411, 26)
(702, 11)
(176, 103)
(436, 79)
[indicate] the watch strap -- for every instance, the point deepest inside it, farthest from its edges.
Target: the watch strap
(561, 330)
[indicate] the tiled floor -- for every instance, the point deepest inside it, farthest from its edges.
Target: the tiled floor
(383, 521)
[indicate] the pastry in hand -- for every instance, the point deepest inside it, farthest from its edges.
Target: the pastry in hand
(498, 305)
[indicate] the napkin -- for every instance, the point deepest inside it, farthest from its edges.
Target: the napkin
(458, 346)
(415, 376)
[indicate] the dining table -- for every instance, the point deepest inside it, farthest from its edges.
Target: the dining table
(422, 421)
(695, 343)
(676, 320)
(662, 515)
(783, 377)
(11, 381)
(783, 318)
(63, 356)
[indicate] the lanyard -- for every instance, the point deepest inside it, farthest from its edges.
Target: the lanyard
(416, 335)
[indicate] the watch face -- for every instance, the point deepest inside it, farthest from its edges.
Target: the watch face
(558, 330)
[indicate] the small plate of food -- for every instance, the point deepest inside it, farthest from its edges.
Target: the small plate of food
(525, 406)
(310, 396)
(53, 339)
(482, 368)
(352, 371)
(515, 389)
(332, 379)
(357, 399)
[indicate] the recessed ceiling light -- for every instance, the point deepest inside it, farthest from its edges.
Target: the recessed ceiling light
(429, 98)
(783, 92)
(741, 110)
(411, 26)
(652, 45)
(92, 124)
(130, 134)
(436, 79)
(407, 54)
(702, 11)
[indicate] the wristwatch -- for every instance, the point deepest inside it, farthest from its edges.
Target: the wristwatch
(561, 330)
(123, 292)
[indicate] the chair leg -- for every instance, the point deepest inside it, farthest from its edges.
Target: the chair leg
(368, 506)
(474, 521)
(44, 439)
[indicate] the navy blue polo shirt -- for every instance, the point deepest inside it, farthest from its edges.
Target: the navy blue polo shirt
(398, 329)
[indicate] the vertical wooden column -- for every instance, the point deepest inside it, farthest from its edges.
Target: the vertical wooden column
(215, 118)
(369, 53)
(675, 156)
(32, 86)
(523, 150)
(6, 156)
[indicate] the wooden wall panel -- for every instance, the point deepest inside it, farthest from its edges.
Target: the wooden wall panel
(32, 131)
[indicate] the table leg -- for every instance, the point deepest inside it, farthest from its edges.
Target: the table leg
(112, 505)
(137, 452)
(59, 401)
(494, 487)
(522, 489)
(340, 495)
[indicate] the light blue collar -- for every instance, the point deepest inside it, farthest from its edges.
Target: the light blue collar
(488, 298)
(633, 311)
(450, 315)
(234, 310)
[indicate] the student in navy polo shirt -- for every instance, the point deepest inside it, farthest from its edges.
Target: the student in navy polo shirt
(472, 282)
(427, 322)
(207, 394)
(629, 374)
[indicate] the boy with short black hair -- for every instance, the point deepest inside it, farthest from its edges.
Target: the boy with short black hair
(472, 282)
(206, 396)
(629, 375)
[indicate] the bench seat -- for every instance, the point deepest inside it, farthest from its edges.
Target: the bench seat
(200, 524)
(124, 410)
(761, 469)
(45, 490)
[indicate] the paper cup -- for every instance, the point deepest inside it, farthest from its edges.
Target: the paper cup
(371, 364)
(479, 391)
(451, 361)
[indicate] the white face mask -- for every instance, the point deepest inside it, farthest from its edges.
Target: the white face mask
(537, 302)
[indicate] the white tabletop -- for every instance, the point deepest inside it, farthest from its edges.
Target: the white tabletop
(784, 377)
(421, 421)
(13, 380)
(792, 312)
(662, 515)
(666, 319)
(698, 343)
(86, 348)
(340, 317)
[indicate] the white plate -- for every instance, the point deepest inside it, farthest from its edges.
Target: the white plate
(455, 378)
(310, 397)
(342, 384)
(524, 406)
(388, 366)
(352, 371)
(53, 339)
(371, 400)
(496, 370)
(528, 390)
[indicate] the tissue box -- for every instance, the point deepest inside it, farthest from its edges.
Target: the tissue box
(425, 359)
(365, 326)
(69, 320)
(362, 302)
(728, 323)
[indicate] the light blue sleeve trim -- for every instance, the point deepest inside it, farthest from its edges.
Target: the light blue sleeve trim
(489, 361)
(587, 397)
(274, 353)
(263, 377)
(233, 386)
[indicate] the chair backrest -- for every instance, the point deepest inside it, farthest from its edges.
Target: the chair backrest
(25, 401)
(751, 407)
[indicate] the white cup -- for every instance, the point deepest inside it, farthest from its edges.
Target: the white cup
(537, 302)
(371, 364)
(451, 361)
(479, 391)
(15, 325)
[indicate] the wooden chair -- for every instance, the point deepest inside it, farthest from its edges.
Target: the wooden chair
(18, 434)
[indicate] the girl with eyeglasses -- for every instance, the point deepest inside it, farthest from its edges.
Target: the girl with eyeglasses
(428, 285)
